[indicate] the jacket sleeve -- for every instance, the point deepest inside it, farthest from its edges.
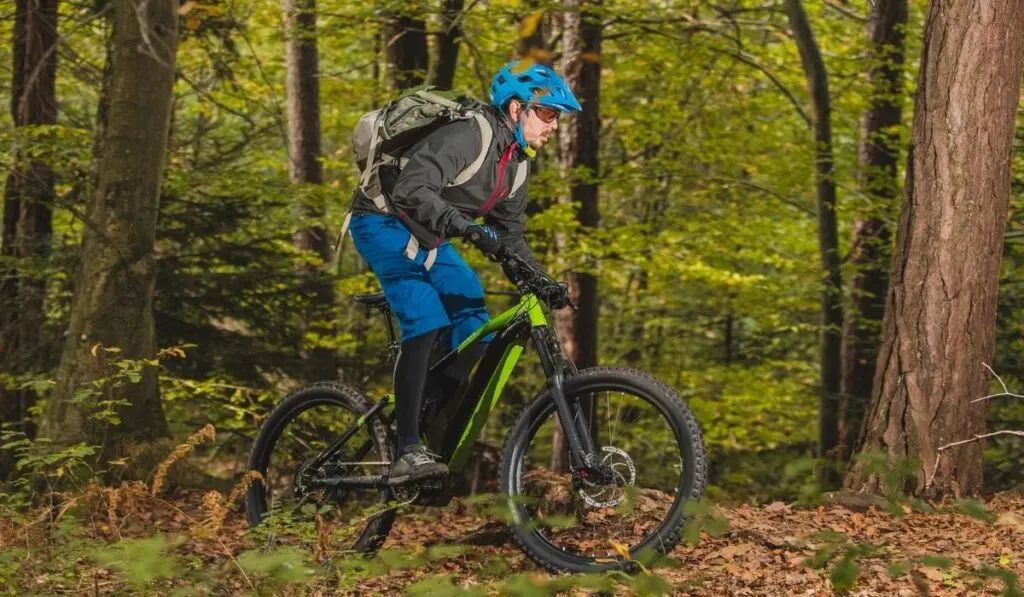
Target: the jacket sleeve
(433, 163)
(509, 220)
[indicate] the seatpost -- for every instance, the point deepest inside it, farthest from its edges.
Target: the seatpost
(393, 345)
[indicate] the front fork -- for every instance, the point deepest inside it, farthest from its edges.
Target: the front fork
(583, 460)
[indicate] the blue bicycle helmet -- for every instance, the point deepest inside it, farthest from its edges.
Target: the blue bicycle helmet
(534, 84)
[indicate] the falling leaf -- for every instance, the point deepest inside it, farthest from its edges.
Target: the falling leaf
(529, 24)
(621, 549)
(95, 347)
(186, 8)
(522, 65)
(592, 57)
(192, 23)
(541, 55)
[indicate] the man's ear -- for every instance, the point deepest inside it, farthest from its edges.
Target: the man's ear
(515, 111)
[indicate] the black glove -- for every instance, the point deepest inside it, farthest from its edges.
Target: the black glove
(556, 295)
(483, 237)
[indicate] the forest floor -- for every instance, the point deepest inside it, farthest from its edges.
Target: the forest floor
(766, 550)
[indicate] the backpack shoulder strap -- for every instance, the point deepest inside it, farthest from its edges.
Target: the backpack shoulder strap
(522, 170)
(486, 136)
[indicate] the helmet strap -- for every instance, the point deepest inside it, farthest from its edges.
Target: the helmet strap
(528, 151)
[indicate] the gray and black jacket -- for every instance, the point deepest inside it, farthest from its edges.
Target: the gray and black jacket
(421, 195)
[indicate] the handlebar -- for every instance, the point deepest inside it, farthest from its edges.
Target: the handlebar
(528, 278)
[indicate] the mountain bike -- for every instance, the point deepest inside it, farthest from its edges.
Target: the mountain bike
(594, 473)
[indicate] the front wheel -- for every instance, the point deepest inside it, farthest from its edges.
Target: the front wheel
(650, 444)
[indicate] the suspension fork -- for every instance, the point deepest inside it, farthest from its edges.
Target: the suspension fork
(570, 415)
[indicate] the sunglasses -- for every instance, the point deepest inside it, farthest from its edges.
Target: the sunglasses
(546, 114)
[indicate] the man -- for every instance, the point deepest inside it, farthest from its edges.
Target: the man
(431, 290)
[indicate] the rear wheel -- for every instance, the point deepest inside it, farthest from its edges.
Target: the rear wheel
(653, 458)
(286, 508)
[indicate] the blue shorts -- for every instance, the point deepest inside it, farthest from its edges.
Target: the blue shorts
(423, 296)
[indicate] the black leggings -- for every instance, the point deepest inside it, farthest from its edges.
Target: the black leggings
(410, 380)
(410, 377)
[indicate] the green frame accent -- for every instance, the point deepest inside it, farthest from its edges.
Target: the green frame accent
(488, 399)
(529, 303)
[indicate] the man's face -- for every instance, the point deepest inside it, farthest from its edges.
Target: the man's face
(539, 123)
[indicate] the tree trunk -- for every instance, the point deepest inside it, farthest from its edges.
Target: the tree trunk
(578, 141)
(828, 241)
(879, 159)
(939, 324)
(305, 168)
(113, 302)
(28, 209)
(406, 40)
(448, 44)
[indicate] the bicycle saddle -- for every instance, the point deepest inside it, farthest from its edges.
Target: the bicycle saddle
(374, 300)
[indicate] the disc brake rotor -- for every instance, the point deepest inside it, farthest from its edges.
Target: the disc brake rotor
(609, 495)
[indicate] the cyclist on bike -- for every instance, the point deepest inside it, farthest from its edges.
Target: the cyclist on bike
(431, 290)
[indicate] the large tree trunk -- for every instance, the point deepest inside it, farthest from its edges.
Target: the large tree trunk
(305, 168)
(113, 302)
(28, 209)
(939, 324)
(578, 144)
(405, 37)
(448, 44)
(828, 240)
(879, 158)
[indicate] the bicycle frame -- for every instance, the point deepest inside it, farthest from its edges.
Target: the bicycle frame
(458, 423)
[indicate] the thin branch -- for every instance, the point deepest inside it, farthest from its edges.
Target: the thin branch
(1006, 391)
(787, 200)
(977, 437)
(846, 12)
(738, 55)
(981, 436)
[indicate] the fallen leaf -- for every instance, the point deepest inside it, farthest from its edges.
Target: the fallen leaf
(186, 8)
(731, 551)
(1010, 519)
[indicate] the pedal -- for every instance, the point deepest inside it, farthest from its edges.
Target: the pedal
(436, 492)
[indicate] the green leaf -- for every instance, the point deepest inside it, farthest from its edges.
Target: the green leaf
(521, 585)
(651, 584)
(898, 569)
(441, 586)
(716, 527)
(140, 560)
(287, 564)
(559, 521)
(823, 556)
(936, 561)
(691, 533)
(438, 552)
(977, 510)
(399, 559)
(844, 575)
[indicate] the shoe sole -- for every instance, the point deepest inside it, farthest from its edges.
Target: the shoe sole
(411, 479)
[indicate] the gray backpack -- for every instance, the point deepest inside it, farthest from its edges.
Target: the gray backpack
(381, 136)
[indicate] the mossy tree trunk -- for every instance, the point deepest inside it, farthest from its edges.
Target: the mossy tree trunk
(112, 307)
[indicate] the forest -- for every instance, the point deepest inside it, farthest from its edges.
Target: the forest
(801, 222)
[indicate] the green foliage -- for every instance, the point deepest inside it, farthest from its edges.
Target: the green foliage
(141, 561)
(700, 516)
(283, 566)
